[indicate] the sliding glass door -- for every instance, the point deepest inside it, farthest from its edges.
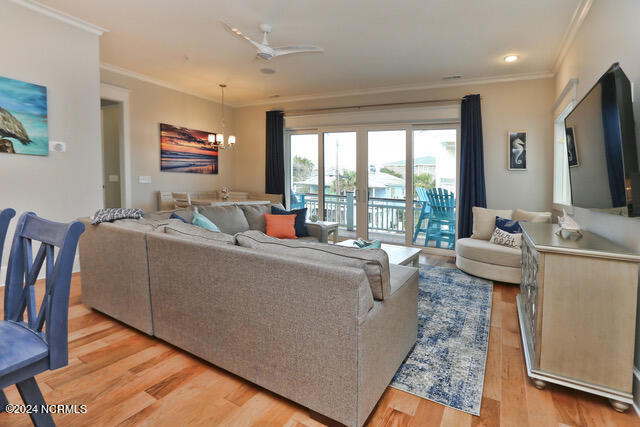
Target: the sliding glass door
(435, 186)
(386, 185)
(394, 183)
(340, 180)
(303, 174)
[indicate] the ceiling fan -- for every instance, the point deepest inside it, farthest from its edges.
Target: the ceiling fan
(265, 51)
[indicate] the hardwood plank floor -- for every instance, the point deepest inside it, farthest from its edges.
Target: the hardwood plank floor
(127, 378)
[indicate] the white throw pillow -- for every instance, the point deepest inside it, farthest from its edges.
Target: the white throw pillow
(484, 221)
(510, 240)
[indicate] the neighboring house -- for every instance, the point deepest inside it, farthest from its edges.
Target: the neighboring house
(381, 185)
(425, 164)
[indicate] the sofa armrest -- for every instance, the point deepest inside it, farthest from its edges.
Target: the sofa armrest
(318, 231)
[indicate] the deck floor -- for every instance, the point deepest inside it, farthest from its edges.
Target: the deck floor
(128, 378)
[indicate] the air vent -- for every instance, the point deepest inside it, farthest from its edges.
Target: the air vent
(274, 96)
(454, 77)
(267, 71)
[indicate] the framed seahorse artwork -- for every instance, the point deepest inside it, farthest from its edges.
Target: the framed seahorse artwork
(572, 148)
(517, 154)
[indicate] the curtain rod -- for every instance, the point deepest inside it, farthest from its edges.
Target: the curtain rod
(370, 106)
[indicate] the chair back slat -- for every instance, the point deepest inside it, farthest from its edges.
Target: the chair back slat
(443, 203)
(22, 273)
(422, 194)
(5, 219)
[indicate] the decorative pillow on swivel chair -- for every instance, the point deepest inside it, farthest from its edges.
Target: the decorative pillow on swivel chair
(508, 225)
(280, 226)
(510, 240)
(301, 219)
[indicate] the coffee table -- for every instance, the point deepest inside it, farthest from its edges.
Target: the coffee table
(400, 255)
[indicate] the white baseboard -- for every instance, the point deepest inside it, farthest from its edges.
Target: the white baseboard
(3, 270)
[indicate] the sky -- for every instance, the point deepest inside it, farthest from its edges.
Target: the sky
(384, 146)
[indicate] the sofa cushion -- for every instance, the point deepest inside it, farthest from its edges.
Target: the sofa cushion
(484, 221)
(520, 215)
(191, 231)
(399, 275)
(255, 215)
(229, 219)
(375, 262)
(483, 251)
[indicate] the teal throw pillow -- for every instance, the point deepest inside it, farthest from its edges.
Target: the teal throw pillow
(204, 222)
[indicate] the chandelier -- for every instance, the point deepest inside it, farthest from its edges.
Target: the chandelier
(217, 140)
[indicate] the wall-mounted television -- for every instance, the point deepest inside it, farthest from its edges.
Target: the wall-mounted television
(601, 148)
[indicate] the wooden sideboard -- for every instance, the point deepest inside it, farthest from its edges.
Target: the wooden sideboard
(577, 312)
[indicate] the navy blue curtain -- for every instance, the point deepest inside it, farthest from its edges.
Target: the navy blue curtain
(613, 141)
(472, 191)
(274, 178)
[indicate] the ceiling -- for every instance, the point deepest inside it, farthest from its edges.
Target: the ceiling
(368, 43)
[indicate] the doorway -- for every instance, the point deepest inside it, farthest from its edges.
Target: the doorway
(116, 143)
(111, 113)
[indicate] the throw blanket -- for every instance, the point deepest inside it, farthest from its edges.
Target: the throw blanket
(112, 214)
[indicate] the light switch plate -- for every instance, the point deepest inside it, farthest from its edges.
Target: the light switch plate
(144, 179)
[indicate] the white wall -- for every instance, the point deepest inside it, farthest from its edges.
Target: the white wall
(610, 33)
(65, 59)
(521, 105)
(151, 105)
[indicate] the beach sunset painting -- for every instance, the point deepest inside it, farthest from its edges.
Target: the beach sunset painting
(187, 150)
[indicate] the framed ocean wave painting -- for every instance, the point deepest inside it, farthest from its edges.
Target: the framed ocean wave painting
(187, 150)
(24, 127)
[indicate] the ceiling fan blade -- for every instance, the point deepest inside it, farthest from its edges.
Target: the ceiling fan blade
(239, 33)
(286, 50)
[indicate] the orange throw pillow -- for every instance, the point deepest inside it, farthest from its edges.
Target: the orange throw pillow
(281, 226)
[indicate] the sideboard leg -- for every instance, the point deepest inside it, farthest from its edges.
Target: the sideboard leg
(619, 406)
(539, 383)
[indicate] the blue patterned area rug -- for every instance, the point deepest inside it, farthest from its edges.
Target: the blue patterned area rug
(447, 364)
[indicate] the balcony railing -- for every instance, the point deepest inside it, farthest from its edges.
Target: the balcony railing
(383, 214)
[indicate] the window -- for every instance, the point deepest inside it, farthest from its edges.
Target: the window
(561, 183)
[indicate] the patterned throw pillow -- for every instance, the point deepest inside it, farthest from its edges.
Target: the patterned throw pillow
(501, 237)
(508, 225)
(112, 214)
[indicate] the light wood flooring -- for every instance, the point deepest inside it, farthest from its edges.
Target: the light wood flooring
(128, 378)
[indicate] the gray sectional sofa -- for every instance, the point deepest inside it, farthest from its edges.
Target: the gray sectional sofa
(322, 325)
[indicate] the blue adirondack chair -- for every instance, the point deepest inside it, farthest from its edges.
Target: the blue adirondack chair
(425, 211)
(297, 201)
(442, 220)
(39, 343)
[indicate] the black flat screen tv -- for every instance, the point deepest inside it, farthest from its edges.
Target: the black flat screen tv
(601, 147)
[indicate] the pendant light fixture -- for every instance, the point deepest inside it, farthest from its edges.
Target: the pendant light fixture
(219, 138)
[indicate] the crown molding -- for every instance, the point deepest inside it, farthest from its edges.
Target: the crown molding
(403, 88)
(157, 82)
(61, 16)
(579, 15)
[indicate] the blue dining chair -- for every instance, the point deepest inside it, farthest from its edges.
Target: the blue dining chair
(425, 211)
(38, 343)
(442, 219)
(5, 219)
